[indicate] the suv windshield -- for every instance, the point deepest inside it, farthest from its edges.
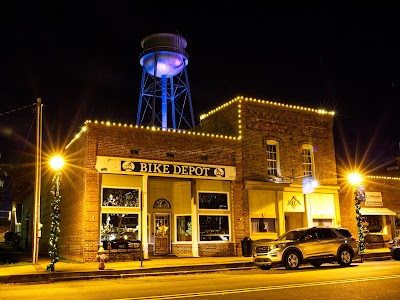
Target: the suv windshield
(292, 235)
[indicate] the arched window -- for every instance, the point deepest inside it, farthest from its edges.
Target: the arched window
(161, 203)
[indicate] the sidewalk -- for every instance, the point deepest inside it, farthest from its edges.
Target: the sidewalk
(156, 265)
(25, 271)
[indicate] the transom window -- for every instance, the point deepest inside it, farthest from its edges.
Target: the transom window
(213, 200)
(161, 203)
(120, 197)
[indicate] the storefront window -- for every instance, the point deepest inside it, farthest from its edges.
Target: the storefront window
(322, 222)
(119, 227)
(263, 225)
(120, 197)
(184, 228)
(214, 228)
(372, 223)
(213, 200)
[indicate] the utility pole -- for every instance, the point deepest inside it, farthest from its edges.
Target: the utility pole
(38, 172)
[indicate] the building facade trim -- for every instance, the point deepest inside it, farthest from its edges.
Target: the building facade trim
(376, 211)
(106, 164)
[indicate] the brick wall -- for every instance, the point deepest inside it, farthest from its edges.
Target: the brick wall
(154, 145)
(223, 120)
(81, 196)
(217, 249)
(182, 249)
(257, 121)
(291, 128)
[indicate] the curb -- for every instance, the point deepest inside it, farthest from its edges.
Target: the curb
(49, 277)
(115, 274)
(133, 275)
(373, 257)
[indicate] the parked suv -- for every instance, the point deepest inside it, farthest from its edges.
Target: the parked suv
(314, 245)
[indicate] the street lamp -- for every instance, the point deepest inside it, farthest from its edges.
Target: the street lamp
(359, 195)
(56, 163)
(36, 230)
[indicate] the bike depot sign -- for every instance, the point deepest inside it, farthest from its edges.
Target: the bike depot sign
(163, 168)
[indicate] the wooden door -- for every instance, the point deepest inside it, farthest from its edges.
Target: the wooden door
(162, 242)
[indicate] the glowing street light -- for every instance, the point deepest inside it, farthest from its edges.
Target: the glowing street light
(359, 192)
(354, 178)
(56, 163)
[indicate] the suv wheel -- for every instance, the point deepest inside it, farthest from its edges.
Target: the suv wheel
(292, 260)
(345, 257)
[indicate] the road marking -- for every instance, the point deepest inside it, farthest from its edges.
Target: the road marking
(260, 289)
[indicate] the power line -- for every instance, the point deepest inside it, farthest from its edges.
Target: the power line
(14, 110)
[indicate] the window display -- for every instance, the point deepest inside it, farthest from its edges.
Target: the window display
(214, 228)
(263, 225)
(119, 227)
(184, 228)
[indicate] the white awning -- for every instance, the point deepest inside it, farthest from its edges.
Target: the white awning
(374, 211)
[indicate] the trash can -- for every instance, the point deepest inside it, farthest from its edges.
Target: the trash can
(247, 247)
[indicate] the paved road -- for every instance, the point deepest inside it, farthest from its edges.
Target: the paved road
(368, 280)
(71, 270)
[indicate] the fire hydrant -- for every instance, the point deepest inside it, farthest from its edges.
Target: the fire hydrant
(101, 258)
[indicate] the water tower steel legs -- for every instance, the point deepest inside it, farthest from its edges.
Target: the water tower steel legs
(189, 95)
(139, 112)
(153, 111)
(164, 102)
(172, 95)
(172, 100)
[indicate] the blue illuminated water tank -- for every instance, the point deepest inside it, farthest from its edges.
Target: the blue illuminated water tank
(164, 101)
(164, 54)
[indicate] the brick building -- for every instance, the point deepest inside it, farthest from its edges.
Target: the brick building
(244, 171)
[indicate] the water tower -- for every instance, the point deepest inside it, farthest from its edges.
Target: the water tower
(165, 99)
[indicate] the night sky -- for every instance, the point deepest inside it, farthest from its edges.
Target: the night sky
(82, 59)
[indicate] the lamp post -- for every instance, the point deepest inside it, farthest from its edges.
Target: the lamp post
(36, 230)
(355, 179)
(56, 163)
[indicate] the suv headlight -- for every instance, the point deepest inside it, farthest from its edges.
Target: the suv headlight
(277, 246)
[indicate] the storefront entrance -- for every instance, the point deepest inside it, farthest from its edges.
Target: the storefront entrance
(162, 239)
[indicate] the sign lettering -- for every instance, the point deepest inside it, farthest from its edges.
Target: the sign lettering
(159, 168)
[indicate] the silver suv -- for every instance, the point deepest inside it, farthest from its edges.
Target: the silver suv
(314, 245)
